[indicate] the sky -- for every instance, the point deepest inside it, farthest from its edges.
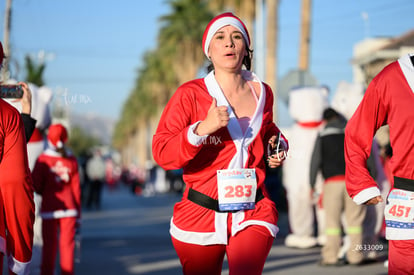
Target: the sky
(93, 48)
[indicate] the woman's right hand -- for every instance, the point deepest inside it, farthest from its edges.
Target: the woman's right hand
(217, 117)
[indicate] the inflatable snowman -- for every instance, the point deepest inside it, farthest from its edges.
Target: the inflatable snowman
(306, 106)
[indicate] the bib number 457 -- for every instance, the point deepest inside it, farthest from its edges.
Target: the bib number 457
(399, 211)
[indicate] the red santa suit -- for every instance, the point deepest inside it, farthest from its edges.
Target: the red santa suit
(56, 178)
(389, 99)
(16, 192)
(175, 146)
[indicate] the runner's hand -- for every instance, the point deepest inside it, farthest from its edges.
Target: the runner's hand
(374, 200)
(217, 117)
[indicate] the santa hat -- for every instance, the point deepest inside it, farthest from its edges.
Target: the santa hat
(1, 54)
(57, 135)
(220, 21)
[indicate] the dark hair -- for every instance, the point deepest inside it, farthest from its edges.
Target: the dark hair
(63, 151)
(247, 61)
(330, 113)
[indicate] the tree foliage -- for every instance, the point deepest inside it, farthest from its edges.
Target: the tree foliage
(177, 58)
(34, 72)
(80, 142)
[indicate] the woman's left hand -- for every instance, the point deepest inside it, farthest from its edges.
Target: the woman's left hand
(275, 159)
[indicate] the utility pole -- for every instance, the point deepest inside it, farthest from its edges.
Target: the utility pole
(259, 43)
(300, 76)
(305, 35)
(6, 43)
(271, 49)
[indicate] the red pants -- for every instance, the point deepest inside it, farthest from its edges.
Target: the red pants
(401, 257)
(50, 228)
(246, 254)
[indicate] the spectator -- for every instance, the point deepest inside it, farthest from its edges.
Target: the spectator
(56, 178)
(328, 156)
(96, 172)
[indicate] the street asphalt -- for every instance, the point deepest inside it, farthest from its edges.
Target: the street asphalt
(129, 235)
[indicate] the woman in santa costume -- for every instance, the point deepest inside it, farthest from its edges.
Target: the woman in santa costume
(220, 130)
(56, 178)
(389, 99)
(16, 191)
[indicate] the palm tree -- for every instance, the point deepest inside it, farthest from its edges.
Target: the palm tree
(181, 35)
(34, 72)
(271, 48)
(247, 12)
(245, 9)
(177, 58)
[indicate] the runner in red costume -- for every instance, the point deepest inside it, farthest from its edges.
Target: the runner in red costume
(219, 130)
(16, 191)
(389, 99)
(56, 178)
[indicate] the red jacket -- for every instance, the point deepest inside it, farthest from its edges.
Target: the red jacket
(389, 99)
(16, 191)
(56, 178)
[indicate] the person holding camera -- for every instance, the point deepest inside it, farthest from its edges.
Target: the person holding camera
(16, 191)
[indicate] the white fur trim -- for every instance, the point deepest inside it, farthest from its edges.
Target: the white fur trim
(408, 69)
(238, 224)
(240, 140)
(220, 234)
(273, 229)
(19, 268)
(224, 21)
(59, 214)
(366, 195)
(203, 238)
(194, 139)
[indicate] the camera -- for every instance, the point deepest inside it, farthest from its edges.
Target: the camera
(11, 91)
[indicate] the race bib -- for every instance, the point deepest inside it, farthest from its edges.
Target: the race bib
(236, 189)
(399, 211)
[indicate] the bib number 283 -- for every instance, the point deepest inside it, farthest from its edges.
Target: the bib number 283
(236, 189)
